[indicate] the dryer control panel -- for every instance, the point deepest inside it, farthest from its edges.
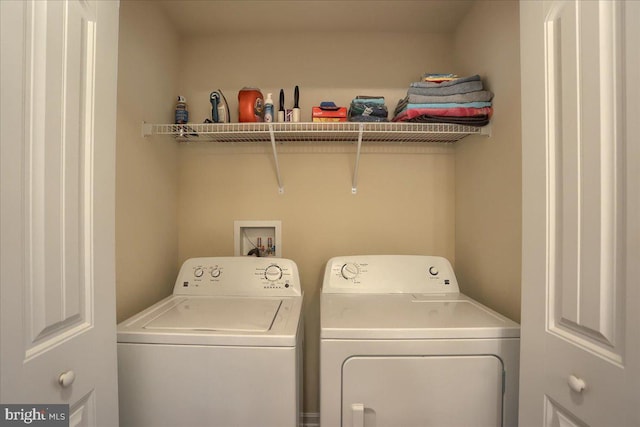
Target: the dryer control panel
(248, 276)
(384, 274)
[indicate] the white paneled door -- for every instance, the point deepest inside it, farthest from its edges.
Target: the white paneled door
(580, 363)
(59, 66)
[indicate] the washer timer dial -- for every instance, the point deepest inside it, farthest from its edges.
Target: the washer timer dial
(273, 273)
(350, 271)
(433, 270)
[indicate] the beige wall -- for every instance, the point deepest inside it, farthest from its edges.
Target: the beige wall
(177, 202)
(404, 205)
(488, 171)
(405, 198)
(326, 67)
(146, 168)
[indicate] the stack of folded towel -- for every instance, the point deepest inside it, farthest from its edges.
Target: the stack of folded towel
(368, 109)
(446, 98)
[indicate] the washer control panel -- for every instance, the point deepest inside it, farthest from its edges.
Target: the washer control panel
(238, 276)
(389, 274)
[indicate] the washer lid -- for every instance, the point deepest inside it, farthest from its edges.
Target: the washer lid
(216, 321)
(410, 316)
(226, 314)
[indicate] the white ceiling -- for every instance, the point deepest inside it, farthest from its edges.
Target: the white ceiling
(202, 17)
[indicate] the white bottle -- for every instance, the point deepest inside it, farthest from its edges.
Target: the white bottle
(268, 109)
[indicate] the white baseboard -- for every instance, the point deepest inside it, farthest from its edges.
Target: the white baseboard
(310, 419)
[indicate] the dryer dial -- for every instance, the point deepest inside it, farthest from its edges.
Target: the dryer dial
(198, 272)
(350, 270)
(215, 272)
(273, 273)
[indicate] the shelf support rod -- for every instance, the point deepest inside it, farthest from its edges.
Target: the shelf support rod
(147, 129)
(354, 184)
(275, 158)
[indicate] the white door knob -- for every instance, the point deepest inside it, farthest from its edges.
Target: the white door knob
(576, 384)
(67, 378)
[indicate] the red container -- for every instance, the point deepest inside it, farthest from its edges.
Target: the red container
(339, 114)
(250, 105)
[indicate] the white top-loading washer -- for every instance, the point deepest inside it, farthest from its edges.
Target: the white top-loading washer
(401, 346)
(211, 353)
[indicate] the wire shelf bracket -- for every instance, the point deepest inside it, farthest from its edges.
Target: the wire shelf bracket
(314, 132)
(354, 183)
(275, 159)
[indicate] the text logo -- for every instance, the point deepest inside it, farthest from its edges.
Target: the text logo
(34, 415)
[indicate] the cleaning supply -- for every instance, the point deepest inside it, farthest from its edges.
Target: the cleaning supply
(328, 111)
(250, 105)
(296, 106)
(281, 110)
(268, 109)
(182, 114)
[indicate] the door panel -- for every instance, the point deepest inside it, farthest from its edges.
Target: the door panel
(580, 348)
(58, 174)
(556, 416)
(422, 391)
(585, 183)
(83, 412)
(58, 168)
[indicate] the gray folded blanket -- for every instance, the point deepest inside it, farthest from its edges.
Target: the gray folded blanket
(465, 87)
(477, 96)
(477, 121)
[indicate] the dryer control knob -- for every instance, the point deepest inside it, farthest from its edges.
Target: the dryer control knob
(349, 271)
(198, 272)
(215, 272)
(433, 271)
(273, 273)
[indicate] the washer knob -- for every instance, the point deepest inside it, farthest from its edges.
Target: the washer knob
(215, 272)
(273, 273)
(198, 272)
(349, 271)
(433, 271)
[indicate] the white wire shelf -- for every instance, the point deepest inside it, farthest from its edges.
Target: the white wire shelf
(328, 132)
(348, 132)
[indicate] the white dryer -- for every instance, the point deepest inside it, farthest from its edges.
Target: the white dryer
(401, 346)
(224, 350)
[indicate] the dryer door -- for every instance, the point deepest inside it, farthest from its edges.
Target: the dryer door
(422, 391)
